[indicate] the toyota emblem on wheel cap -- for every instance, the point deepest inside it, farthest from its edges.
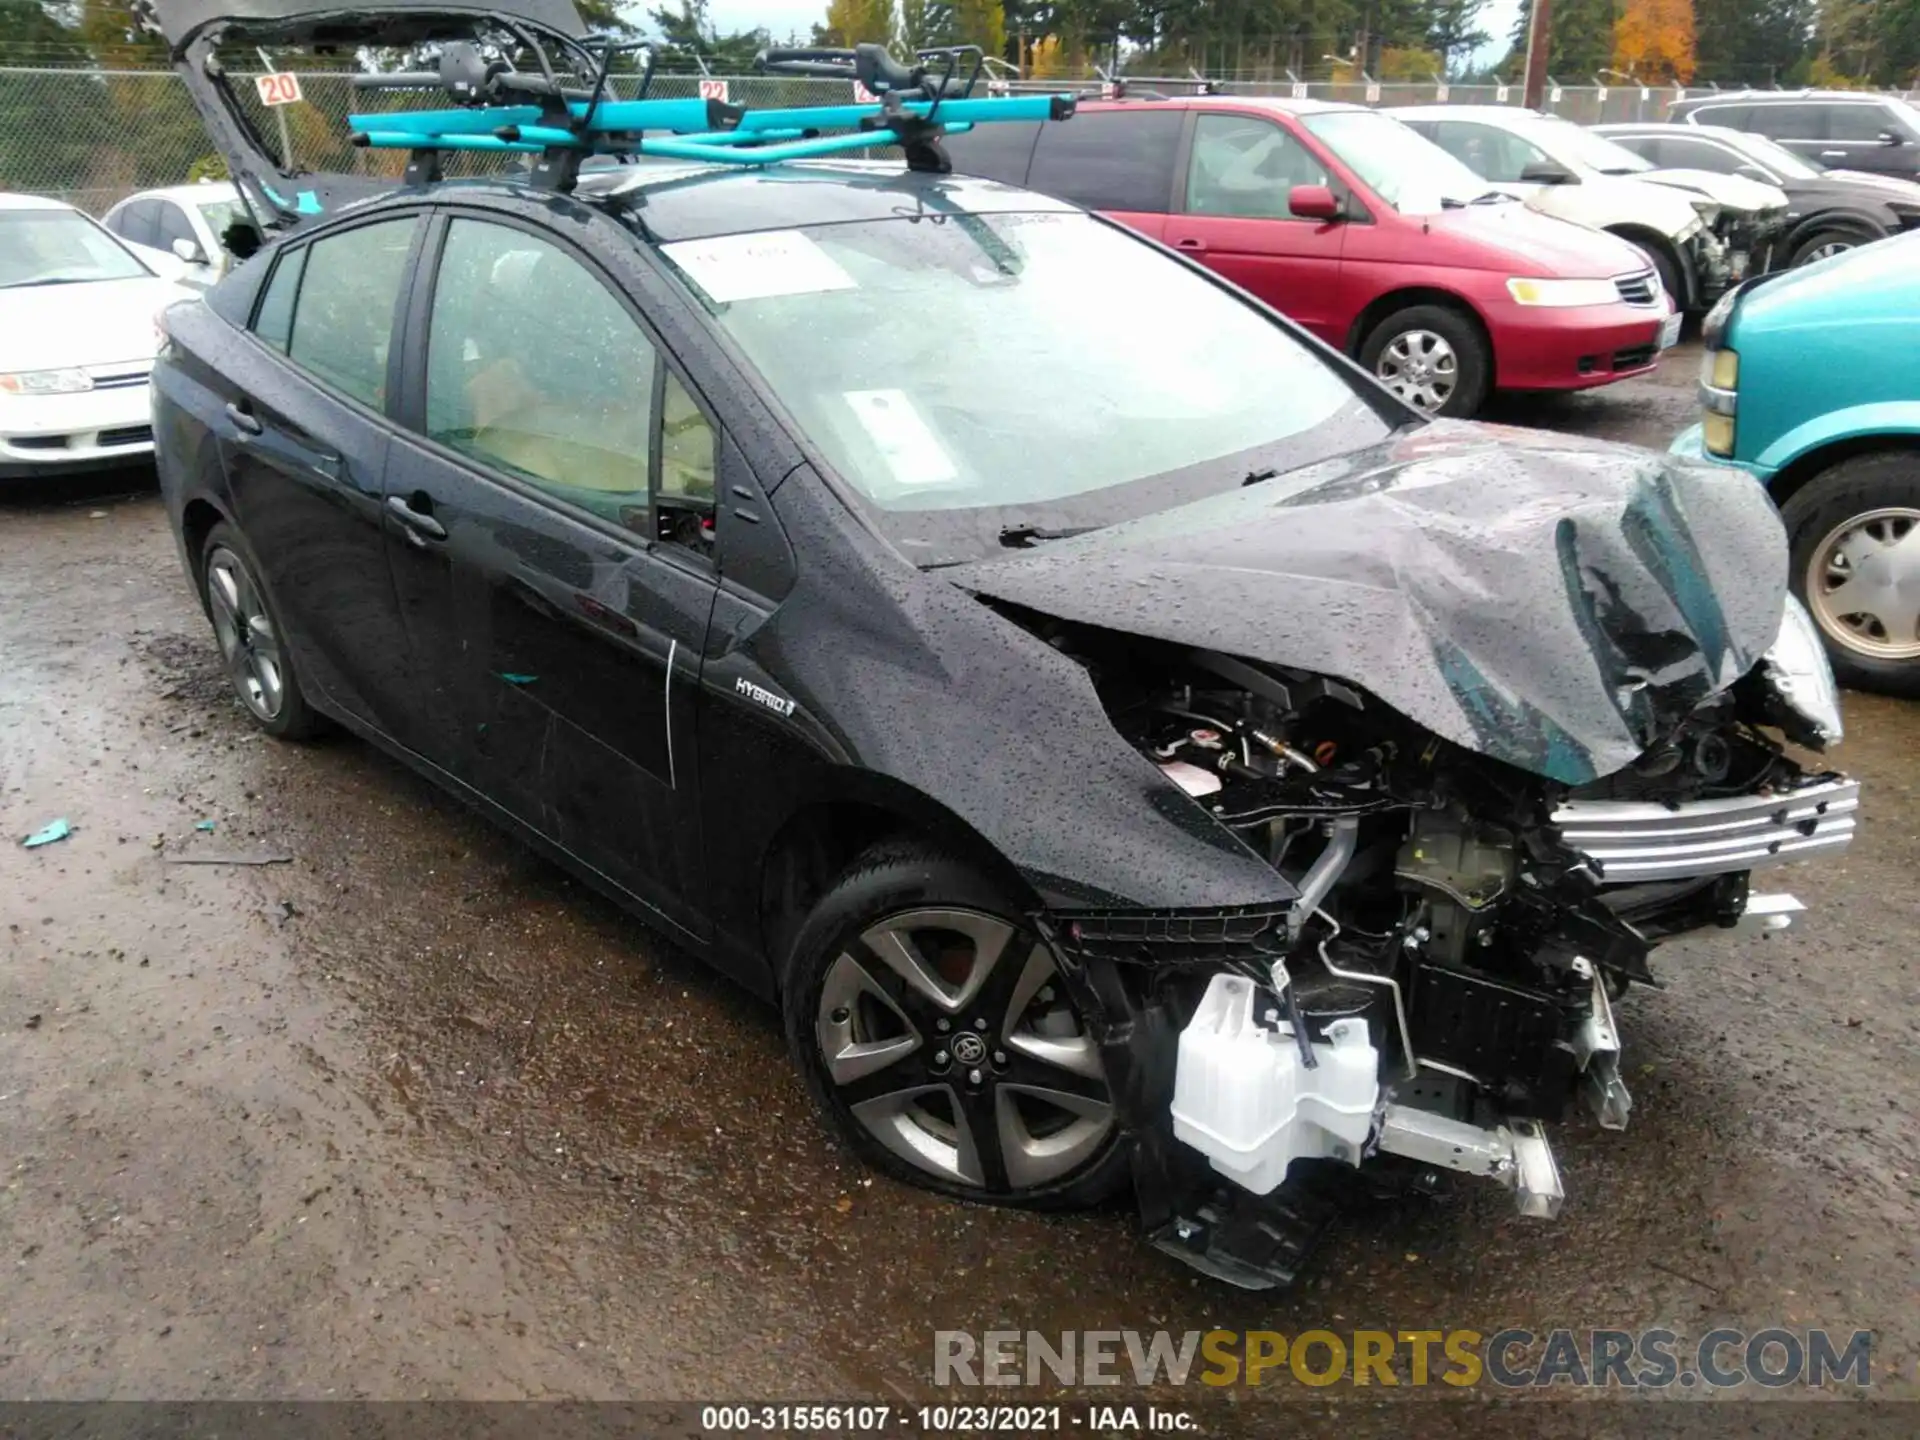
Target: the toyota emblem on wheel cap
(969, 1049)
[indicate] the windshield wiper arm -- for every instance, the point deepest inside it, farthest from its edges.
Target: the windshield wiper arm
(1024, 537)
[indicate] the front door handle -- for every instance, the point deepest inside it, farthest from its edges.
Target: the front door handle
(420, 524)
(1833, 154)
(1194, 246)
(244, 420)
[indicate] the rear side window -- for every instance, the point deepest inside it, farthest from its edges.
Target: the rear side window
(995, 152)
(343, 313)
(1790, 122)
(1245, 166)
(1109, 159)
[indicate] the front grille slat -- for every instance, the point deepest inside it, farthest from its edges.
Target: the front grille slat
(127, 435)
(1631, 841)
(1641, 289)
(119, 382)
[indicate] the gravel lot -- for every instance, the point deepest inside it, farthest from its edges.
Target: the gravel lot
(416, 1116)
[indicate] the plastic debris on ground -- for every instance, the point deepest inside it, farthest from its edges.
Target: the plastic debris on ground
(53, 830)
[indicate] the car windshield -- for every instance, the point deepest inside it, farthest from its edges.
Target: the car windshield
(60, 247)
(973, 375)
(219, 214)
(1569, 144)
(1777, 158)
(1403, 168)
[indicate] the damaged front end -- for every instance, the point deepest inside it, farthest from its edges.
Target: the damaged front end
(1471, 904)
(1444, 985)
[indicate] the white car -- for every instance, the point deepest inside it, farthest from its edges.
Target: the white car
(179, 229)
(77, 340)
(1699, 229)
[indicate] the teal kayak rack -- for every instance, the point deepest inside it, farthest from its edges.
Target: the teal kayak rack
(503, 111)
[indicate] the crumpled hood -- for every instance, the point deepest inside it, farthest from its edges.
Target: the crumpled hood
(1732, 192)
(1550, 602)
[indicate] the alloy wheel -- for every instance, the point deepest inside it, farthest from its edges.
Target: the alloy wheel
(1826, 251)
(1420, 367)
(249, 644)
(1863, 584)
(949, 1037)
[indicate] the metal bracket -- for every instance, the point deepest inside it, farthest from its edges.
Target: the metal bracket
(1597, 1046)
(1516, 1154)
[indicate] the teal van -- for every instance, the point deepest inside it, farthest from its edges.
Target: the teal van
(1811, 383)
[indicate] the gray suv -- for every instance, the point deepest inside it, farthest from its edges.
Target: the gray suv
(1835, 129)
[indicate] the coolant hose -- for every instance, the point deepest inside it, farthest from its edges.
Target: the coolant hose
(1343, 835)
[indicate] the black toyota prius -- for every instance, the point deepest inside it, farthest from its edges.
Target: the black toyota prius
(1124, 741)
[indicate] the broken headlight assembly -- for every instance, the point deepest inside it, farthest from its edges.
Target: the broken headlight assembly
(1799, 679)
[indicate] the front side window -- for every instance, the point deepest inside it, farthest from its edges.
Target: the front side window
(1407, 171)
(1244, 166)
(1734, 117)
(973, 373)
(1490, 152)
(533, 367)
(1572, 145)
(60, 247)
(1109, 159)
(174, 225)
(1862, 124)
(342, 312)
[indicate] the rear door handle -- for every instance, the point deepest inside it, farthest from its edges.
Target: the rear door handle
(1833, 154)
(244, 420)
(1195, 246)
(420, 524)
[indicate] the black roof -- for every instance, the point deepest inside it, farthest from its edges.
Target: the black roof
(672, 201)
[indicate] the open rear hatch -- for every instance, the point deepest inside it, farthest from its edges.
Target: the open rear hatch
(292, 159)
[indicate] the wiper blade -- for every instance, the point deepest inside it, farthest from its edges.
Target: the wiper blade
(1254, 477)
(1492, 197)
(50, 280)
(1024, 537)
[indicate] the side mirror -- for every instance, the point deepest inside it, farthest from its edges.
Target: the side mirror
(1547, 173)
(188, 251)
(1887, 137)
(1313, 202)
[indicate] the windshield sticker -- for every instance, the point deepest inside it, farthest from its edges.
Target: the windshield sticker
(905, 441)
(757, 266)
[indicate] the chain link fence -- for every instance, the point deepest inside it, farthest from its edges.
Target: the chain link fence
(93, 137)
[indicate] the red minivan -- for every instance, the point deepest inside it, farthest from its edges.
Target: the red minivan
(1373, 238)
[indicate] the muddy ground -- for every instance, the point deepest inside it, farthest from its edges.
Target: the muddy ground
(414, 1115)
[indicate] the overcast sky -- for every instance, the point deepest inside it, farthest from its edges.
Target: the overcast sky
(784, 17)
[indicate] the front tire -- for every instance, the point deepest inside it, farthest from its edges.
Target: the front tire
(1854, 530)
(253, 647)
(1824, 245)
(1431, 357)
(933, 1028)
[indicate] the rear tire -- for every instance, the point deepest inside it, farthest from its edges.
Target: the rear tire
(1858, 523)
(253, 646)
(935, 1032)
(1431, 357)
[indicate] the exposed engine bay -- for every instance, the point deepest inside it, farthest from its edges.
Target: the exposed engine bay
(1444, 983)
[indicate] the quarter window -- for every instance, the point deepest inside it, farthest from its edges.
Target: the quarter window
(274, 322)
(1790, 122)
(342, 310)
(1245, 166)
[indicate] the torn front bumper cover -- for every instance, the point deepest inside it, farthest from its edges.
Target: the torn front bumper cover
(1282, 1142)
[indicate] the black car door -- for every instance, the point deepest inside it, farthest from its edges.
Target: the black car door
(548, 520)
(1869, 134)
(304, 439)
